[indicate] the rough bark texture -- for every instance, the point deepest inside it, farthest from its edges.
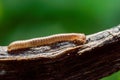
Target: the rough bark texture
(97, 58)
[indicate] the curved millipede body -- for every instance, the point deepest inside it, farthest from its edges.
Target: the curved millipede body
(24, 44)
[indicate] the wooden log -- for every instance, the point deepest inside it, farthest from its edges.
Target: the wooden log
(97, 58)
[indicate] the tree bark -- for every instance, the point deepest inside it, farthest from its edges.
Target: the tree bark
(97, 58)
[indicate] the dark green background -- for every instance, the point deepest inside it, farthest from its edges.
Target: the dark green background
(24, 19)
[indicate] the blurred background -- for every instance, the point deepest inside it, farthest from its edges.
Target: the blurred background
(25, 19)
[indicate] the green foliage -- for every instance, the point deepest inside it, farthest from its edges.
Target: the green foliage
(115, 76)
(24, 19)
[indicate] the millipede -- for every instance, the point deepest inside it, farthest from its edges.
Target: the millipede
(35, 42)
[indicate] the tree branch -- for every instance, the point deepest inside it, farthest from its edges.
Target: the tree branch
(97, 58)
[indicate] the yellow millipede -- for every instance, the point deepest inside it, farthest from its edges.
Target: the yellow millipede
(35, 42)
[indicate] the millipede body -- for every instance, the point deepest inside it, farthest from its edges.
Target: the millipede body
(35, 42)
